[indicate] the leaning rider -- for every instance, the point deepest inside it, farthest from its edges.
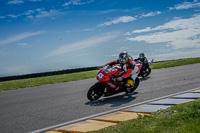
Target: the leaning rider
(128, 66)
(142, 59)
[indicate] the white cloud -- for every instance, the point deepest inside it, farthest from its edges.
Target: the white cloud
(35, 0)
(43, 14)
(37, 13)
(175, 25)
(115, 11)
(90, 42)
(79, 30)
(77, 2)
(15, 2)
(81, 55)
(126, 19)
(108, 11)
(122, 19)
(22, 44)
(178, 39)
(142, 30)
(150, 14)
(89, 29)
(2, 17)
(185, 5)
(127, 34)
(182, 33)
(13, 15)
(29, 12)
(20, 37)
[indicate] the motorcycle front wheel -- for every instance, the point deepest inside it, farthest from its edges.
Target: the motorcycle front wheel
(95, 92)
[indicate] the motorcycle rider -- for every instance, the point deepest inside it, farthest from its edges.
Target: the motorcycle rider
(142, 59)
(129, 68)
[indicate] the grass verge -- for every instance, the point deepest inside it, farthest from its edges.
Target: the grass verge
(24, 83)
(32, 82)
(180, 62)
(182, 118)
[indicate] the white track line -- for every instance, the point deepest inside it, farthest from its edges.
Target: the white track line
(106, 112)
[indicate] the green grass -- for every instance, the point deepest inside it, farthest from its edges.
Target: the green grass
(182, 118)
(180, 62)
(24, 83)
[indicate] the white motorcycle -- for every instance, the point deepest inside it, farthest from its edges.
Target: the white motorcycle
(146, 70)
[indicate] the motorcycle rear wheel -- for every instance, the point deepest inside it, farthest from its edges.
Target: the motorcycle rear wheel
(135, 85)
(95, 92)
(147, 72)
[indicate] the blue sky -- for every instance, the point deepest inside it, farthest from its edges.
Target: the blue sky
(48, 35)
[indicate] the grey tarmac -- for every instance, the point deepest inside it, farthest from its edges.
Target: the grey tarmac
(35, 108)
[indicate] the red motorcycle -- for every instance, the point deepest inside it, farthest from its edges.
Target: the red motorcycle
(106, 87)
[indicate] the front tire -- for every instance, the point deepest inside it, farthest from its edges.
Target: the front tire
(95, 92)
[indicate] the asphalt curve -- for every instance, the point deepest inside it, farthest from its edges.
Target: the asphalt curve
(31, 109)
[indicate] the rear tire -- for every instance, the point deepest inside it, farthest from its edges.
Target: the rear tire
(135, 85)
(147, 72)
(95, 92)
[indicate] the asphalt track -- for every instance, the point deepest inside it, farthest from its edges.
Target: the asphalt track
(35, 108)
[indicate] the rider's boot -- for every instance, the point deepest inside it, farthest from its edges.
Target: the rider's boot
(129, 85)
